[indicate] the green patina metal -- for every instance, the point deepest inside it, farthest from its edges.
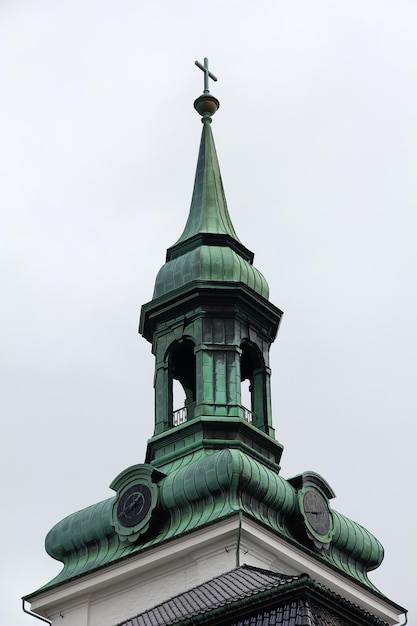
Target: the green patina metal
(210, 322)
(200, 489)
(210, 337)
(209, 263)
(211, 327)
(208, 248)
(207, 74)
(208, 210)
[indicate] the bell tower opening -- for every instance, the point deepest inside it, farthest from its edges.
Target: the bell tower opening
(253, 386)
(178, 399)
(182, 382)
(246, 398)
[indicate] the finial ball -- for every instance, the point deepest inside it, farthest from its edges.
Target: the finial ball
(206, 105)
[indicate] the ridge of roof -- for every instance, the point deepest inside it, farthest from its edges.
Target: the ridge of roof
(249, 586)
(237, 584)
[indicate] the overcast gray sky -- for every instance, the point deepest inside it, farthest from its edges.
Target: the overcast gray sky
(316, 137)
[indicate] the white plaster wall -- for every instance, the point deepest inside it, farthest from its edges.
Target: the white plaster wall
(146, 590)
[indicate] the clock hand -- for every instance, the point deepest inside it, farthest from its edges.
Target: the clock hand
(133, 504)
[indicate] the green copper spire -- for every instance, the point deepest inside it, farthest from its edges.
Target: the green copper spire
(208, 211)
(208, 248)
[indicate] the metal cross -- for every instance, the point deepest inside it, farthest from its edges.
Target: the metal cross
(207, 74)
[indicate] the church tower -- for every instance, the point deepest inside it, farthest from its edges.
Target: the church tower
(207, 530)
(211, 326)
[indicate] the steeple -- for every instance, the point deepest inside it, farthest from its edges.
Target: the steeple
(208, 211)
(209, 497)
(208, 248)
(210, 323)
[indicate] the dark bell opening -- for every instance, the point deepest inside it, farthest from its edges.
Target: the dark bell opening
(183, 368)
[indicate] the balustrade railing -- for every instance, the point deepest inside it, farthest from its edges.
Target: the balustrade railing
(248, 415)
(180, 416)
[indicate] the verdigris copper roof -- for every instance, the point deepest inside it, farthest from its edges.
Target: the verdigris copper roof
(258, 594)
(198, 490)
(208, 211)
(209, 263)
(208, 248)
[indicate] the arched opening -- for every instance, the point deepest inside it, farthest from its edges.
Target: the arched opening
(246, 396)
(178, 395)
(253, 385)
(182, 385)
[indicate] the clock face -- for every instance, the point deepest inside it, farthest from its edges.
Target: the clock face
(316, 512)
(136, 508)
(133, 505)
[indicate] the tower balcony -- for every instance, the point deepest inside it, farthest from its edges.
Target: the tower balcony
(186, 413)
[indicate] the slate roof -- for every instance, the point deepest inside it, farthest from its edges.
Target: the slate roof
(242, 582)
(237, 587)
(296, 613)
